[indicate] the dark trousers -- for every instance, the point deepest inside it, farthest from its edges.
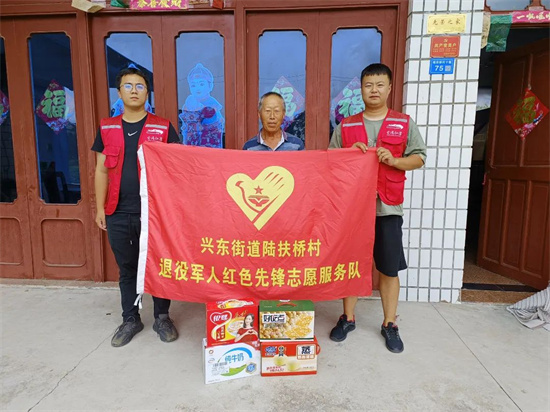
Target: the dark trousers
(123, 231)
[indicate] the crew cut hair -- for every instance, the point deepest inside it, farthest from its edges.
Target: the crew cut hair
(377, 69)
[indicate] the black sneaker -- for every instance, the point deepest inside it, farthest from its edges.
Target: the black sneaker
(125, 332)
(165, 328)
(340, 331)
(393, 341)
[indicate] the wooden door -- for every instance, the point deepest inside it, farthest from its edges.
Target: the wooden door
(386, 22)
(161, 33)
(15, 227)
(318, 29)
(51, 211)
(301, 31)
(514, 230)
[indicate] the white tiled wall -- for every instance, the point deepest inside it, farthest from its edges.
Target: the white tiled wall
(436, 196)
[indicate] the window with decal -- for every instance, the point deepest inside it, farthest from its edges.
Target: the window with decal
(283, 70)
(352, 51)
(201, 88)
(55, 117)
(8, 186)
(125, 50)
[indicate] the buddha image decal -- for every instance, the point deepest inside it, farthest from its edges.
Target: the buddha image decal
(202, 122)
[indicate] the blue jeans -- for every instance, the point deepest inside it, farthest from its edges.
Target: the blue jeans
(123, 231)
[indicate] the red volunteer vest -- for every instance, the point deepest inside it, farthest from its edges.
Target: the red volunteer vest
(155, 129)
(392, 136)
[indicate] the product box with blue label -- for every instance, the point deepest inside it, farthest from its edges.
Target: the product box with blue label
(230, 361)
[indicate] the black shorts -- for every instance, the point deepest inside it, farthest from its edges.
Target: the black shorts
(388, 245)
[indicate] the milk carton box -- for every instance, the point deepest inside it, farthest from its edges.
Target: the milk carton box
(230, 361)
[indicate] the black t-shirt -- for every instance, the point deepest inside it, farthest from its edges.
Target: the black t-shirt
(129, 200)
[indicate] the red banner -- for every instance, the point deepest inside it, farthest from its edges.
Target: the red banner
(531, 16)
(221, 224)
(159, 4)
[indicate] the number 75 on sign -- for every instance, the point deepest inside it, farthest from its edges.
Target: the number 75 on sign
(442, 66)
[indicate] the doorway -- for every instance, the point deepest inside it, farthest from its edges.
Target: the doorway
(497, 267)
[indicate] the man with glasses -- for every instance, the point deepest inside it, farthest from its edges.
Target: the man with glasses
(118, 200)
(271, 112)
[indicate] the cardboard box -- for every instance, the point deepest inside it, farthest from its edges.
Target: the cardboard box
(232, 361)
(225, 321)
(89, 6)
(286, 319)
(289, 357)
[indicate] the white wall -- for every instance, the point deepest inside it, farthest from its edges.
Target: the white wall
(436, 196)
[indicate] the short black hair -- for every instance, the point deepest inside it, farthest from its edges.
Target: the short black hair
(131, 70)
(376, 69)
(271, 94)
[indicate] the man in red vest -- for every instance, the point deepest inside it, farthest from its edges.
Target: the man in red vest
(399, 146)
(118, 200)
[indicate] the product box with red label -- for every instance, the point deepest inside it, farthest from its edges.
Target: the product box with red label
(289, 357)
(231, 321)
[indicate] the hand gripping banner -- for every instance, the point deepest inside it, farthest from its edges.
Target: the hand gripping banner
(221, 224)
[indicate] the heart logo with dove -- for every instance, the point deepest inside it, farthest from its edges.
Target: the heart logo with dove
(262, 197)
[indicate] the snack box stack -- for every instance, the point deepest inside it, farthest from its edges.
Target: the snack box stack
(231, 348)
(287, 340)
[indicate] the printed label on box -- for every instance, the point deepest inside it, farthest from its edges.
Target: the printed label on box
(231, 321)
(289, 357)
(231, 361)
(286, 319)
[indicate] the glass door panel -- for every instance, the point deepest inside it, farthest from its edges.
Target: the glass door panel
(201, 88)
(8, 185)
(357, 39)
(352, 51)
(281, 51)
(124, 50)
(54, 117)
(283, 70)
